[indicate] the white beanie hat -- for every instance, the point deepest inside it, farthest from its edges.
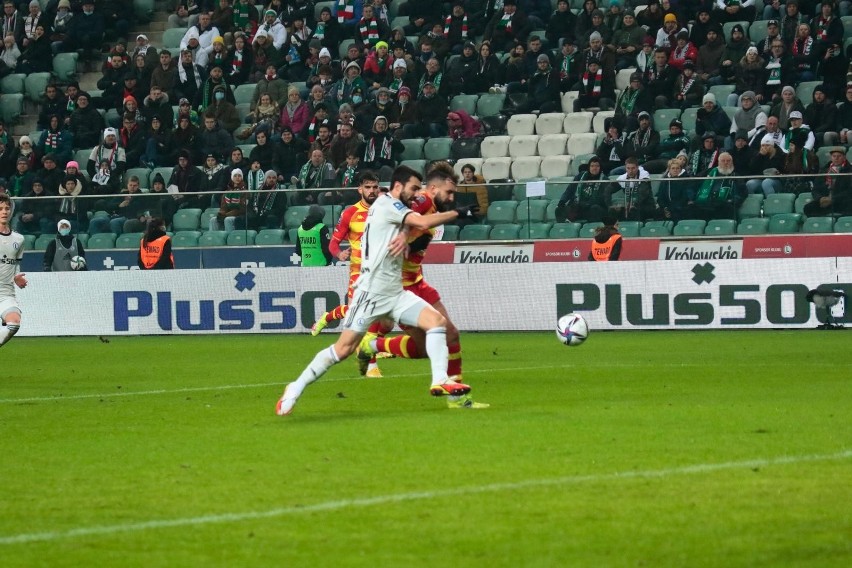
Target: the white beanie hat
(236, 172)
(324, 52)
(767, 139)
(709, 97)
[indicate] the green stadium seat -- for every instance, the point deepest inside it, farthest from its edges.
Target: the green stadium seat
(818, 225)
(416, 165)
(729, 26)
(550, 214)
(41, 242)
(344, 46)
(451, 233)
(630, 228)
(101, 241)
(466, 103)
(653, 223)
(689, 228)
(128, 241)
(531, 211)
(29, 242)
(721, 227)
(65, 66)
(778, 203)
(588, 230)
(504, 232)
(244, 93)
(751, 207)
(213, 239)
(241, 238)
(34, 84)
(270, 237)
(144, 10)
(721, 92)
(489, 105)
(753, 226)
(294, 216)
(206, 215)
(243, 110)
(186, 220)
(843, 225)
(653, 230)
(757, 31)
(564, 231)
(783, 223)
(535, 231)
(689, 117)
(437, 149)
(83, 238)
(11, 108)
(475, 232)
(172, 37)
(802, 200)
(246, 149)
(11, 84)
(805, 91)
(501, 212)
(293, 235)
(413, 149)
(579, 160)
(186, 239)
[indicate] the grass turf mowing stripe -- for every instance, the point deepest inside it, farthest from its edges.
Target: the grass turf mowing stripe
(26, 538)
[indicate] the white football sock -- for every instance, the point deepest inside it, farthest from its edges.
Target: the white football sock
(321, 363)
(436, 349)
(8, 332)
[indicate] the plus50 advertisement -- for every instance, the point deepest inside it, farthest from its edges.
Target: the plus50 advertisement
(723, 294)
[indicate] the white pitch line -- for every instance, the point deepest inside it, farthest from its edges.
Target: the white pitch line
(104, 530)
(341, 379)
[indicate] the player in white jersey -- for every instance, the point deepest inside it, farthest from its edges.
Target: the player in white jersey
(379, 292)
(11, 252)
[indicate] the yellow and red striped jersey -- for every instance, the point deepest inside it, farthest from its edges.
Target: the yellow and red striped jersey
(350, 227)
(412, 267)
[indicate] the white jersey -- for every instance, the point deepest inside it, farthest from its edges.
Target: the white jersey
(11, 253)
(381, 273)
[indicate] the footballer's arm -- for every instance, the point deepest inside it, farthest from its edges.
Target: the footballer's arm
(423, 222)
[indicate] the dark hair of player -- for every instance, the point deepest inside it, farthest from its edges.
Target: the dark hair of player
(402, 174)
(367, 175)
(441, 172)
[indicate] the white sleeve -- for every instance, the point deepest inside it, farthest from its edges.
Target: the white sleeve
(395, 211)
(720, 4)
(280, 37)
(747, 3)
(811, 141)
(759, 123)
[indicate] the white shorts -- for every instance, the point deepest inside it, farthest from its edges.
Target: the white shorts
(8, 305)
(366, 308)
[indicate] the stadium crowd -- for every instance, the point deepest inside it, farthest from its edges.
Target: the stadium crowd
(318, 115)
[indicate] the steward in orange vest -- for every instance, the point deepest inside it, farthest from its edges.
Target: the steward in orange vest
(155, 251)
(606, 245)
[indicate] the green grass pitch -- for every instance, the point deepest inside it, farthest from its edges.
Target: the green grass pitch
(635, 449)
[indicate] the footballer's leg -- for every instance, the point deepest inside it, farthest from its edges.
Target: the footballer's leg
(454, 366)
(337, 313)
(12, 321)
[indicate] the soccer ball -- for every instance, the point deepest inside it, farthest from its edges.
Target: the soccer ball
(572, 329)
(78, 263)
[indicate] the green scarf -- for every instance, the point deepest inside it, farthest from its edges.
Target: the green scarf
(241, 15)
(710, 192)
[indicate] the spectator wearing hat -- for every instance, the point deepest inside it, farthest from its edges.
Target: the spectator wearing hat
(185, 136)
(595, 91)
(346, 140)
(711, 117)
(112, 80)
(683, 50)
(641, 144)
(748, 118)
(133, 138)
(39, 212)
(52, 103)
(238, 62)
(751, 76)
(688, 87)
(327, 30)
(86, 32)
(611, 151)
(50, 174)
(826, 27)
(127, 212)
(422, 14)
(213, 179)
(265, 209)
(832, 193)
(274, 28)
(224, 110)
(821, 115)
(708, 65)
(456, 30)
(741, 153)
(214, 54)
(667, 35)
(584, 18)
(798, 127)
(767, 161)
(289, 154)
(543, 87)
(233, 204)
(382, 105)
(567, 66)
(189, 80)
(404, 109)
(637, 203)
(145, 49)
(186, 180)
(59, 25)
(790, 21)
(35, 57)
(273, 85)
(789, 103)
(109, 151)
(315, 173)
(324, 62)
(207, 93)
(157, 145)
(627, 40)
(674, 143)
(702, 23)
(507, 26)
(59, 251)
(21, 181)
(719, 196)
(460, 71)
(26, 150)
(675, 192)
(380, 150)
(645, 58)
(614, 15)
(351, 88)
(13, 22)
(633, 100)
(370, 29)
(378, 66)
(832, 68)
(295, 113)
(605, 57)
(734, 51)
(561, 25)
(584, 199)
(598, 26)
(705, 157)
(203, 31)
(773, 33)
(430, 115)
(69, 188)
(651, 18)
(734, 11)
(157, 104)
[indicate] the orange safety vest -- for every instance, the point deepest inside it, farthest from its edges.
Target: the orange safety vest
(601, 251)
(152, 252)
